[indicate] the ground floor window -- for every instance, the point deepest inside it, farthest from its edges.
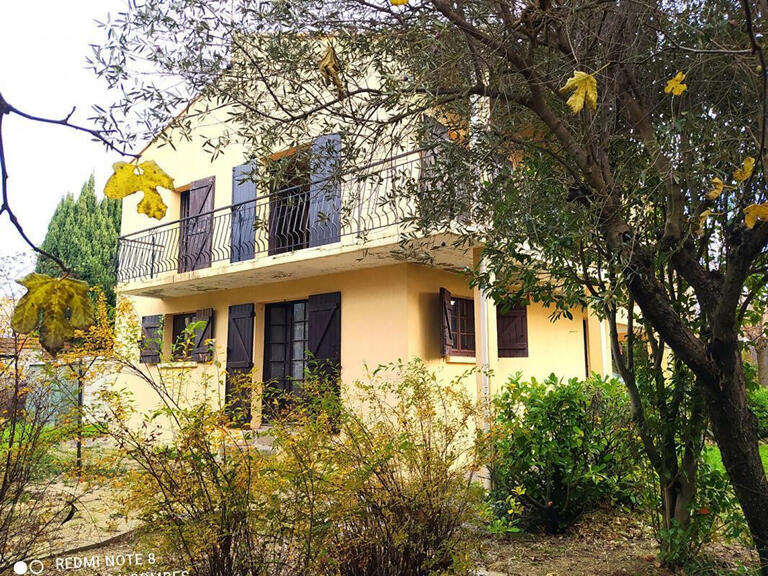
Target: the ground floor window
(181, 343)
(463, 326)
(285, 358)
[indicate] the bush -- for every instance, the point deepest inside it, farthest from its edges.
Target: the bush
(757, 400)
(392, 491)
(379, 485)
(560, 449)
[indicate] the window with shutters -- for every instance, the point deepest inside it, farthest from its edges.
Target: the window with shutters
(512, 332)
(300, 336)
(457, 325)
(285, 346)
(305, 197)
(463, 326)
(289, 203)
(182, 342)
(189, 344)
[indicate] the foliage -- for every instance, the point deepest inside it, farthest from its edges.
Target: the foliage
(382, 485)
(56, 307)
(608, 208)
(34, 495)
(83, 233)
(758, 403)
(584, 88)
(562, 448)
(404, 460)
(145, 177)
(715, 513)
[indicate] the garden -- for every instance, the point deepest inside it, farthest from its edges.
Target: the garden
(409, 474)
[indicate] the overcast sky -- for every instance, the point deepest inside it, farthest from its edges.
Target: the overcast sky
(44, 45)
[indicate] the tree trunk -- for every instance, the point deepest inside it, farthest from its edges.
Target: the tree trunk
(735, 431)
(761, 353)
(719, 372)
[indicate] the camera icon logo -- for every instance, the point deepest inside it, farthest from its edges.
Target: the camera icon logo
(34, 567)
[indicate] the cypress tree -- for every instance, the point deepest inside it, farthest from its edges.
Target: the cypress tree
(83, 233)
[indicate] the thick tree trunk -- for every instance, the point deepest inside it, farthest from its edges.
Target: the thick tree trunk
(719, 371)
(735, 431)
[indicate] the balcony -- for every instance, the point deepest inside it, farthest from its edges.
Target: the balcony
(346, 221)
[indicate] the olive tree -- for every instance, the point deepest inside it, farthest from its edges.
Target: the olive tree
(606, 153)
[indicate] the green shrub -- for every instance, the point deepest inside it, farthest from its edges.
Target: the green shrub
(389, 476)
(560, 449)
(758, 403)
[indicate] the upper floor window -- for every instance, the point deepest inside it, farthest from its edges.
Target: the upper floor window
(289, 202)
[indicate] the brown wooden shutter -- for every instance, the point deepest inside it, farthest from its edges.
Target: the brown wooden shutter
(324, 339)
(446, 333)
(197, 230)
(151, 339)
(512, 332)
(239, 361)
(202, 351)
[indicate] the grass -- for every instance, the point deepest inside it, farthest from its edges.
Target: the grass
(712, 455)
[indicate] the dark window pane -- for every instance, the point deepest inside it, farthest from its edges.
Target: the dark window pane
(277, 352)
(277, 333)
(277, 314)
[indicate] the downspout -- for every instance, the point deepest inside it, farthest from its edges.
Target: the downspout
(485, 360)
(484, 351)
(485, 385)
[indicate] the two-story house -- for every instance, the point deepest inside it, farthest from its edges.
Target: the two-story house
(313, 269)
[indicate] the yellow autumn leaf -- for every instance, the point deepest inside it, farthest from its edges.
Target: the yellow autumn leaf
(584, 88)
(330, 68)
(755, 212)
(702, 220)
(56, 307)
(717, 188)
(146, 177)
(398, 2)
(743, 173)
(675, 85)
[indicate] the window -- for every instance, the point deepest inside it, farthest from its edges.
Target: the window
(457, 336)
(512, 332)
(463, 326)
(285, 359)
(289, 203)
(182, 343)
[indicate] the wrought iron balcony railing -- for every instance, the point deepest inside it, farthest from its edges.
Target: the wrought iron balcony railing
(321, 212)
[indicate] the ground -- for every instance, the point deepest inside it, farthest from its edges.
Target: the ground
(604, 543)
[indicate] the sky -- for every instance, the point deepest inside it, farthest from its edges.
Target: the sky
(43, 71)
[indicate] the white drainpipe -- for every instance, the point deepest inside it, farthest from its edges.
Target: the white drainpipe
(484, 352)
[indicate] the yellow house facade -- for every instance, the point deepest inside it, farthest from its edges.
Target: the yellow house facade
(274, 279)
